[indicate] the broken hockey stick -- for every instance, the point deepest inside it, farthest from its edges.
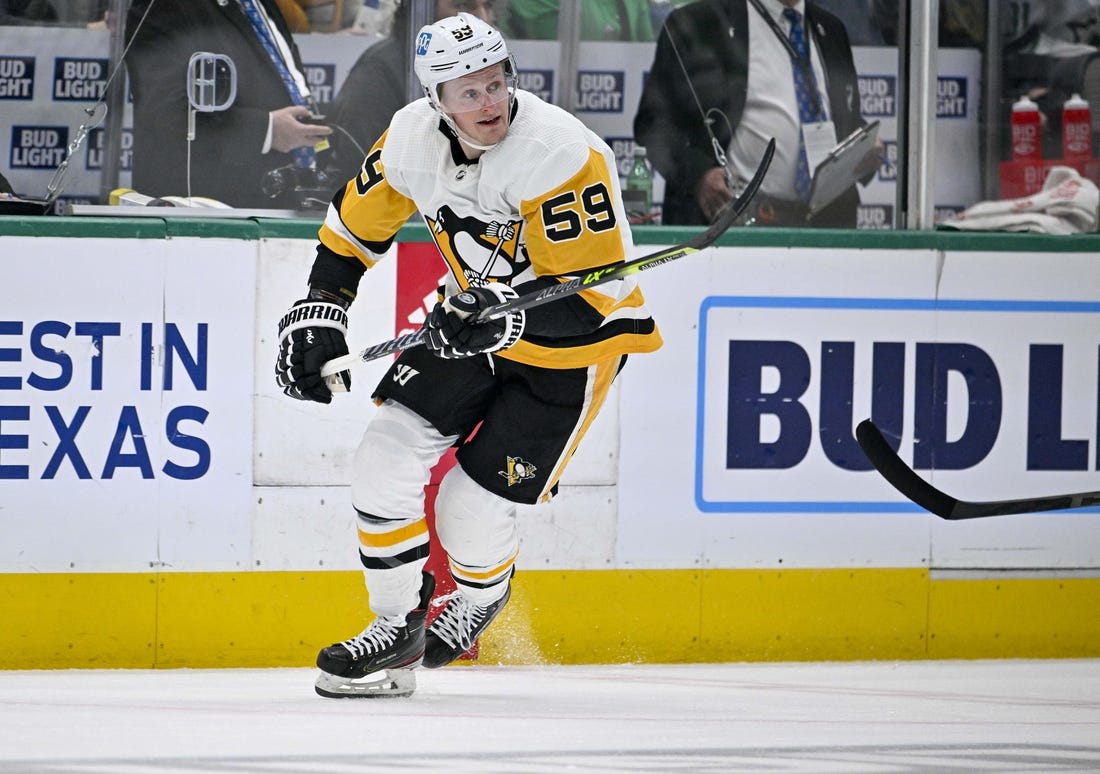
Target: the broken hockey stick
(726, 217)
(905, 480)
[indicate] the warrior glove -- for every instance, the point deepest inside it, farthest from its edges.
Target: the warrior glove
(310, 334)
(453, 331)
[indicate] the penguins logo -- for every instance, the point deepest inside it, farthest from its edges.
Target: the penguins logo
(477, 250)
(519, 470)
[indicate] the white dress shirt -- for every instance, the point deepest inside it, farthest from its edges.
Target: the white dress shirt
(771, 107)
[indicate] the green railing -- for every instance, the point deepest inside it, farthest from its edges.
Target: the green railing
(289, 228)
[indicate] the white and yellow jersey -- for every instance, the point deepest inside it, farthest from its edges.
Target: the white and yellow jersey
(543, 203)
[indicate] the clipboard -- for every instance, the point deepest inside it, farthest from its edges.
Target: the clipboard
(837, 172)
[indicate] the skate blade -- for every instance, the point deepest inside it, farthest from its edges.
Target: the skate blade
(386, 684)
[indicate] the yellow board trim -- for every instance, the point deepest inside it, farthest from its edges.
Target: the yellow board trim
(275, 619)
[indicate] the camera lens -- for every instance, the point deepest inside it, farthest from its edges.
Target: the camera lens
(276, 182)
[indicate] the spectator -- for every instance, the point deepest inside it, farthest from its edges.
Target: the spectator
(374, 17)
(329, 15)
(859, 20)
(234, 150)
(295, 15)
(377, 86)
(27, 12)
(962, 23)
(600, 19)
(725, 58)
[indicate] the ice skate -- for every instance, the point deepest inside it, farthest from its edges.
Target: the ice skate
(457, 627)
(378, 662)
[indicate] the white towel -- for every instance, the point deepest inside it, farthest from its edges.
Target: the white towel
(1068, 204)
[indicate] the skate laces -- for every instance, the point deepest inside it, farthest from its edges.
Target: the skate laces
(458, 620)
(381, 633)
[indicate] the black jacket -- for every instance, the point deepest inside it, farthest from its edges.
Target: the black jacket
(713, 40)
(226, 159)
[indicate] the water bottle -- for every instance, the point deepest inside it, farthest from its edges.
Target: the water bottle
(1076, 131)
(371, 19)
(1026, 144)
(639, 185)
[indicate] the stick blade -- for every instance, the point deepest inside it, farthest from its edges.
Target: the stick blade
(905, 480)
(901, 476)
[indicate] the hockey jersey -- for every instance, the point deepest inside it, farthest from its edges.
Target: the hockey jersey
(542, 204)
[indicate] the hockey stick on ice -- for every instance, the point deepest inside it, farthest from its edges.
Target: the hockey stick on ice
(905, 480)
(726, 217)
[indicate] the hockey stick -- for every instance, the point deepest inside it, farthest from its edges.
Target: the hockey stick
(905, 480)
(726, 217)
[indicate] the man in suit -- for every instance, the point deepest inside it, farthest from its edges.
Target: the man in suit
(233, 150)
(728, 60)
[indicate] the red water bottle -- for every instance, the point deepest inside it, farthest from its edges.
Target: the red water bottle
(1026, 144)
(1076, 131)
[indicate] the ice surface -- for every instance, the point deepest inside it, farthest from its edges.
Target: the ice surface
(924, 716)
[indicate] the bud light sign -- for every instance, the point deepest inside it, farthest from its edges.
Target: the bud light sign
(878, 96)
(38, 147)
(951, 98)
(538, 82)
(97, 144)
(875, 217)
(784, 381)
(322, 81)
(623, 147)
(600, 91)
(16, 77)
(79, 79)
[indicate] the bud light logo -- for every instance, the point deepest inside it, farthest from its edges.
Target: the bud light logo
(81, 80)
(875, 217)
(16, 77)
(992, 386)
(538, 82)
(600, 91)
(422, 43)
(321, 79)
(888, 169)
(878, 96)
(623, 148)
(62, 204)
(97, 145)
(951, 97)
(38, 147)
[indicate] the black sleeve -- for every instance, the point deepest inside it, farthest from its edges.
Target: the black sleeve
(668, 121)
(335, 277)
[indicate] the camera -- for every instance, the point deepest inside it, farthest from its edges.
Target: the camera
(301, 188)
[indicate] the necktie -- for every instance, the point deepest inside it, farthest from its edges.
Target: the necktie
(303, 157)
(807, 111)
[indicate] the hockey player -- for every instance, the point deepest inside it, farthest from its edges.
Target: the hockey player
(518, 195)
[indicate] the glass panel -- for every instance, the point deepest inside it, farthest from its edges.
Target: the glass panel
(55, 63)
(1050, 92)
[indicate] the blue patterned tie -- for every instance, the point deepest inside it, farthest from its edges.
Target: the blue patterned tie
(807, 111)
(302, 156)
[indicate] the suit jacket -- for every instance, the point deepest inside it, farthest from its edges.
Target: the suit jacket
(227, 162)
(712, 37)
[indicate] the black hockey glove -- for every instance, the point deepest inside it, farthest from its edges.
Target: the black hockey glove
(452, 329)
(310, 334)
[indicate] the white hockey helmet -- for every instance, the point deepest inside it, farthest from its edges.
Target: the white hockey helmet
(456, 46)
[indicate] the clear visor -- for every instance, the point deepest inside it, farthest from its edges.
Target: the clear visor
(466, 95)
